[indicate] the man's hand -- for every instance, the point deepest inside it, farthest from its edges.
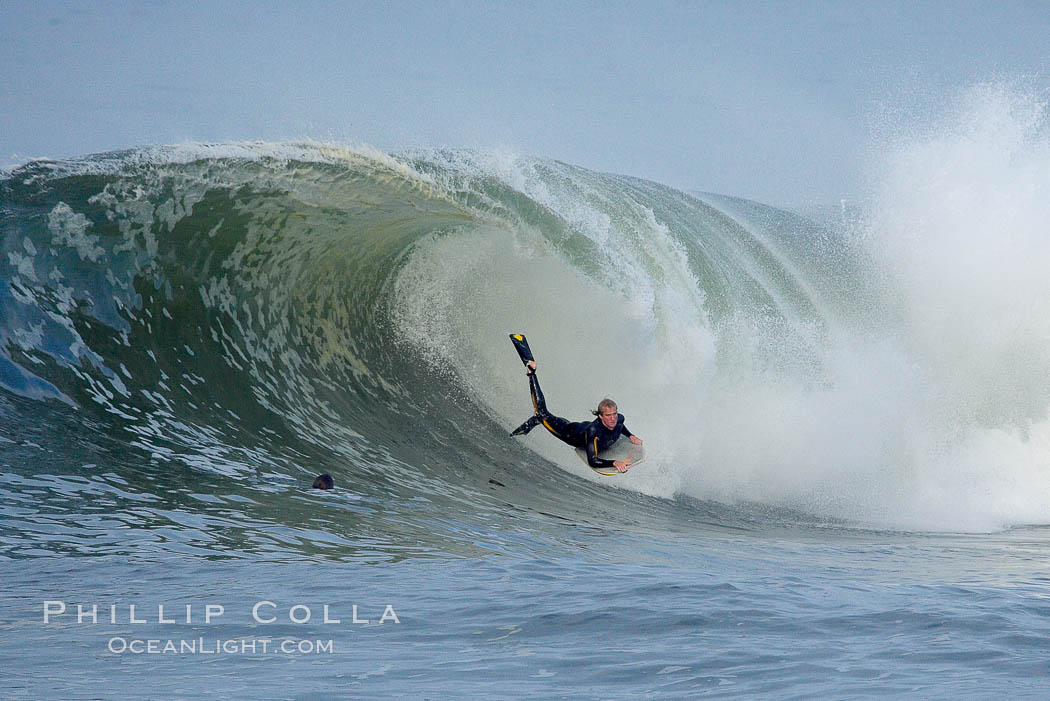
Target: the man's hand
(636, 440)
(622, 465)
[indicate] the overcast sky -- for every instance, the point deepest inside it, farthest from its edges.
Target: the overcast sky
(774, 101)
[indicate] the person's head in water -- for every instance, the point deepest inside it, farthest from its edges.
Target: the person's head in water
(608, 413)
(323, 481)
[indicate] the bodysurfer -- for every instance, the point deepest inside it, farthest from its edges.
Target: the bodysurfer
(591, 436)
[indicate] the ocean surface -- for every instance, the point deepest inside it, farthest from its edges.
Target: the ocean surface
(847, 489)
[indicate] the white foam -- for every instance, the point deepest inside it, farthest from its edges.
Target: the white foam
(926, 411)
(931, 413)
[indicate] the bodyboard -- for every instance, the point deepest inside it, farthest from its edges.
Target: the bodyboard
(621, 449)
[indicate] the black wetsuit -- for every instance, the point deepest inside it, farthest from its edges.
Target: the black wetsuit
(591, 436)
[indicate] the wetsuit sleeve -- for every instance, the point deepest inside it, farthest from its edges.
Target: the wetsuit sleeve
(592, 452)
(592, 456)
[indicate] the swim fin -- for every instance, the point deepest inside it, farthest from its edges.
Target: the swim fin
(522, 346)
(532, 423)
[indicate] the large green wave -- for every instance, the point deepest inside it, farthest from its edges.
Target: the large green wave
(261, 312)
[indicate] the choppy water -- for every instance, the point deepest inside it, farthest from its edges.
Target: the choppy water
(849, 453)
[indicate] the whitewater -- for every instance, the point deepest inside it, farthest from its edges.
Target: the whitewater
(847, 487)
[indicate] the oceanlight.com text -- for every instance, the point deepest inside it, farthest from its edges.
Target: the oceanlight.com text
(218, 646)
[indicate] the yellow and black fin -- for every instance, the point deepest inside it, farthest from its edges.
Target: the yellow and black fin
(532, 423)
(522, 346)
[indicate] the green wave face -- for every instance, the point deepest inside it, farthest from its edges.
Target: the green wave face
(246, 316)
